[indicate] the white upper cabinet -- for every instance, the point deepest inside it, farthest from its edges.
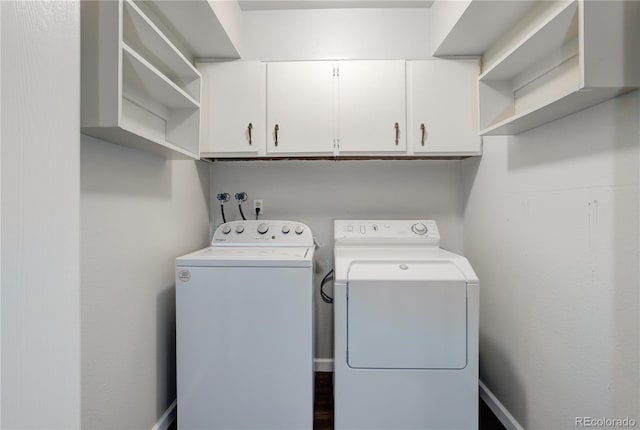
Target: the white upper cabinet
(325, 107)
(233, 108)
(442, 107)
(372, 106)
(301, 114)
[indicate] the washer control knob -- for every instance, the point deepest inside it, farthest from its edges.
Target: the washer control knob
(239, 228)
(419, 228)
(286, 229)
(226, 229)
(299, 229)
(263, 228)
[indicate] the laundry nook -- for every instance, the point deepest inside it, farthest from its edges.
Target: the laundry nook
(319, 214)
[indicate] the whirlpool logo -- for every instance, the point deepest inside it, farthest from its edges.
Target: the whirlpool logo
(184, 275)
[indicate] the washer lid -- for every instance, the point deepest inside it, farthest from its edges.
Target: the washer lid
(249, 256)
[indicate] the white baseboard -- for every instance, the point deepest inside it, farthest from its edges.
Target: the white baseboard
(498, 409)
(167, 418)
(323, 364)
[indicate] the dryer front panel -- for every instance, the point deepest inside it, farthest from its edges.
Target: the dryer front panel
(406, 316)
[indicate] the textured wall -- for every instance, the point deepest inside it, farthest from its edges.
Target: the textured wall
(551, 227)
(138, 212)
(40, 215)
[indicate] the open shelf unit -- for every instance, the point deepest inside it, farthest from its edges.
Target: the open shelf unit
(555, 61)
(470, 27)
(144, 37)
(138, 89)
(204, 29)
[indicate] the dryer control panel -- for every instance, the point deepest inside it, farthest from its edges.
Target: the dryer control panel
(416, 231)
(267, 232)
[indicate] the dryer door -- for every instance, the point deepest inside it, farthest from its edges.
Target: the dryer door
(406, 315)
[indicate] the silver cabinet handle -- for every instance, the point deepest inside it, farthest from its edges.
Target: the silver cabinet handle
(423, 129)
(397, 127)
(249, 128)
(275, 132)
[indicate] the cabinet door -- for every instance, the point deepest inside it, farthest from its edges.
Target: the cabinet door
(443, 104)
(372, 106)
(233, 108)
(301, 105)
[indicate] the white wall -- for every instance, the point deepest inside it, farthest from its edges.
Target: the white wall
(551, 226)
(336, 34)
(138, 212)
(317, 192)
(40, 215)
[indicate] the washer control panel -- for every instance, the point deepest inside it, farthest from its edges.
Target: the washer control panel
(268, 232)
(387, 231)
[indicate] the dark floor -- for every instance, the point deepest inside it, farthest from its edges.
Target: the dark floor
(323, 407)
(323, 401)
(488, 421)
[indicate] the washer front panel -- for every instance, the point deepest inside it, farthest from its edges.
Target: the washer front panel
(244, 347)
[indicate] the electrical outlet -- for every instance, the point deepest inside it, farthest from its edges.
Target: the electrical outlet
(258, 204)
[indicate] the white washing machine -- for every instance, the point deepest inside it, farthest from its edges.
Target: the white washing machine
(244, 328)
(406, 329)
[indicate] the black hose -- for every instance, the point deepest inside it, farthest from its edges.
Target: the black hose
(325, 297)
(241, 213)
(222, 213)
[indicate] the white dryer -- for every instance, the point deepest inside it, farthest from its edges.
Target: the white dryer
(244, 328)
(406, 329)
